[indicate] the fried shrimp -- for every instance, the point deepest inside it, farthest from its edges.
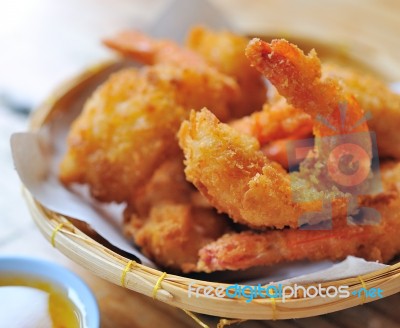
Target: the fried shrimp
(375, 242)
(277, 120)
(274, 127)
(227, 167)
(372, 95)
(335, 112)
(280, 120)
(142, 48)
(296, 77)
(225, 51)
(128, 126)
(229, 170)
(166, 222)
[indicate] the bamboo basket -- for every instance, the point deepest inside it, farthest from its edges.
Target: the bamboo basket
(80, 246)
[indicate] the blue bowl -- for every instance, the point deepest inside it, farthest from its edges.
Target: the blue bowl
(78, 291)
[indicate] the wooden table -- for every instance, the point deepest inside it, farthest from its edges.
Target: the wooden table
(373, 22)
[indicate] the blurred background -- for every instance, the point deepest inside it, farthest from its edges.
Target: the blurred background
(44, 42)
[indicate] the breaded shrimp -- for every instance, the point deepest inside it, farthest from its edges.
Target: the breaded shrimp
(372, 95)
(296, 77)
(228, 168)
(142, 48)
(280, 120)
(277, 120)
(225, 51)
(167, 224)
(275, 126)
(375, 242)
(335, 111)
(128, 126)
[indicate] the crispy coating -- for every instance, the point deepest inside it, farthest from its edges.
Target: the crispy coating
(229, 169)
(128, 126)
(168, 223)
(375, 242)
(296, 76)
(225, 51)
